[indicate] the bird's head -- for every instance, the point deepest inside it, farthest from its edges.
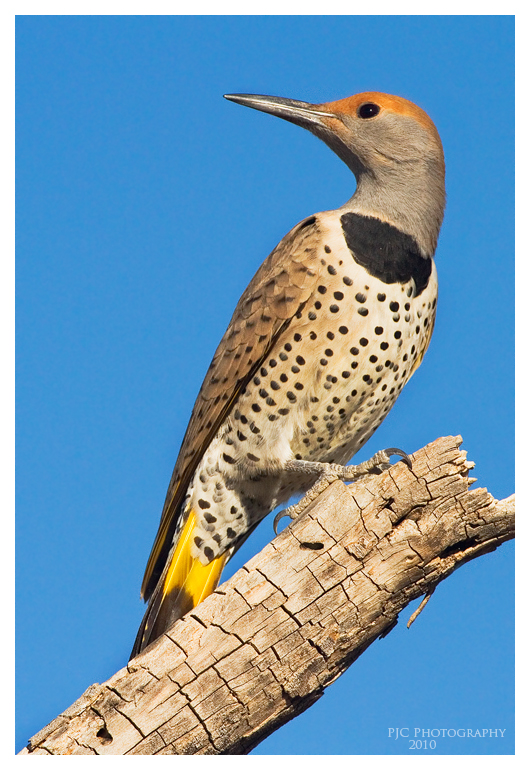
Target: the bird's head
(368, 131)
(391, 145)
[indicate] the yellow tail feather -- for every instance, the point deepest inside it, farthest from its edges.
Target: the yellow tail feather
(183, 585)
(188, 574)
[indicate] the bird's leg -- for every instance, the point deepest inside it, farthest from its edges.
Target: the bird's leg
(329, 472)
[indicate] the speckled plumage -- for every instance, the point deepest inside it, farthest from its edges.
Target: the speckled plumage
(323, 388)
(320, 345)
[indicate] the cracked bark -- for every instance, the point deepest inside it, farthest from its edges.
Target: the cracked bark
(267, 643)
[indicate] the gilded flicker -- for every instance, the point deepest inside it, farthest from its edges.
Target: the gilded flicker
(322, 341)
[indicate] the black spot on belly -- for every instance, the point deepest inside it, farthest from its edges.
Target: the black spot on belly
(385, 252)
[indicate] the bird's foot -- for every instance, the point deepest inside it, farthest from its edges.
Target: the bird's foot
(329, 472)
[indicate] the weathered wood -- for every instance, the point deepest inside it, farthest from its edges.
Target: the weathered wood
(264, 646)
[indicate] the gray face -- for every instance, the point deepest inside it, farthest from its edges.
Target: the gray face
(388, 139)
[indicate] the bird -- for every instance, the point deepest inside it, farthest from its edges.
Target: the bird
(323, 339)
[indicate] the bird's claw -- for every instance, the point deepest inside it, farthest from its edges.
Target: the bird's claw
(400, 453)
(287, 513)
(329, 472)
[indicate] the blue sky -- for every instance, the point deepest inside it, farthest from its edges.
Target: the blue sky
(145, 203)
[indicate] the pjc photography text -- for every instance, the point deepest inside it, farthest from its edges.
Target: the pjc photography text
(429, 738)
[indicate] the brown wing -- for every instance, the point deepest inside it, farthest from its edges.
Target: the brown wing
(278, 291)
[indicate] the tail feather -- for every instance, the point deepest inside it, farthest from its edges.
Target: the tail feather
(184, 583)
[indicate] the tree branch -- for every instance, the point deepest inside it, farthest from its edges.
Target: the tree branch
(267, 643)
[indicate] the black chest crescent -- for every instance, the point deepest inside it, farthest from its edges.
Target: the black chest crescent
(385, 252)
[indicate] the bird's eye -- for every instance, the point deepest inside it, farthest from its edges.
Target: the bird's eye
(368, 110)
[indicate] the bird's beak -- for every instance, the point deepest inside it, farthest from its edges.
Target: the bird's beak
(320, 119)
(309, 116)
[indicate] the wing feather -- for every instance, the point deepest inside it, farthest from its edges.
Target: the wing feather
(278, 291)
